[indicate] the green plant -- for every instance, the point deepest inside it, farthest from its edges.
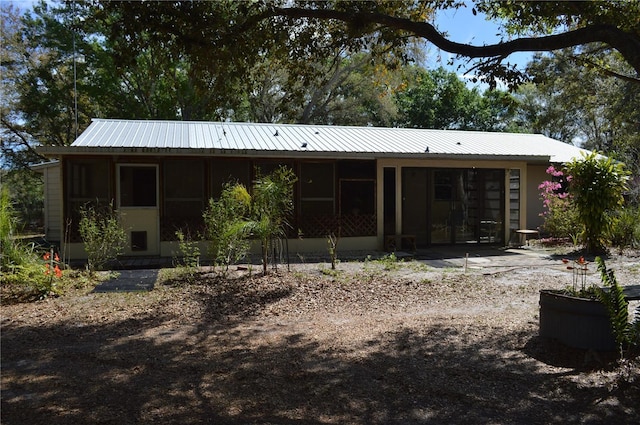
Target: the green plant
(389, 262)
(11, 253)
(560, 214)
(625, 231)
(102, 235)
(597, 188)
(225, 225)
(20, 263)
(617, 306)
(271, 204)
(332, 242)
(190, 254)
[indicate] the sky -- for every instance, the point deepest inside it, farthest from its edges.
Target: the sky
(463, 27)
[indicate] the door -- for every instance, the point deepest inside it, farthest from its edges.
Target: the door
(138, 208)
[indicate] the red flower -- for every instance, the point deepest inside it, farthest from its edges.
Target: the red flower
(56, 258)
(46, 269)
(57, 271)
(46, 256)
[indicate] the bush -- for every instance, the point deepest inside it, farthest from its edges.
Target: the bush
(102, 235)
(597, 189)
(189, 260)
(20, 263)
(625, 231)
(560, 215)
(225, 225)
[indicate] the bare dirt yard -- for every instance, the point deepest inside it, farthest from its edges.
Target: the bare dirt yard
(376, 342)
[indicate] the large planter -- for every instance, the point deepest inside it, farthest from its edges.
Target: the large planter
(576, 322)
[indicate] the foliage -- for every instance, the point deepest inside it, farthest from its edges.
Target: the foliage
(20, 263)
(625, 231)
(26, 194)
(271, 204)
(225, 225)
(574, 101)
(190, 254)
(102, 235)
(344, 89)
(546, 26)
(597, 188)
(560, 215)
(10, 252)
(388, 262)
(617, 307)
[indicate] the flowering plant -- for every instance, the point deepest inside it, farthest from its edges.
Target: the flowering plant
(579, 269)
(560, 216)
(52, 266)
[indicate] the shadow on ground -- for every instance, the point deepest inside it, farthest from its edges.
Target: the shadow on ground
(155, 369)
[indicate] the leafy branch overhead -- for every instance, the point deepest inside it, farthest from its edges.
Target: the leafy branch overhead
(615, 26)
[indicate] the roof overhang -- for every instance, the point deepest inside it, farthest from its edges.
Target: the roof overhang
(60, 151)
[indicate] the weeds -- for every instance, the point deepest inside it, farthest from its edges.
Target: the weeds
(102, 235)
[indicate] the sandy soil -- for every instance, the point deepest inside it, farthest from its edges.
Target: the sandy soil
(372, 343)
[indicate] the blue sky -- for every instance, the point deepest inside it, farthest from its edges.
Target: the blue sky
(463, 27)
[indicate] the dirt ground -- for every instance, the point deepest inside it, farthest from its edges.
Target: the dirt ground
(376, 342)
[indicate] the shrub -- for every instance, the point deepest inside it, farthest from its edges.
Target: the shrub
(625, 333)
(190, 254)
(560, 215)
(625, 231)
(102, 235)
(225, 225)
(271, 204)
(597, 189)
(20, 263)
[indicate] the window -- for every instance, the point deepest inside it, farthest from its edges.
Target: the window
(138, 186)
(228, 170)
(317, 188)
(183, 188)
(88, 180)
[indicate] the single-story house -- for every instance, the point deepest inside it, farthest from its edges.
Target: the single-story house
(369, 185)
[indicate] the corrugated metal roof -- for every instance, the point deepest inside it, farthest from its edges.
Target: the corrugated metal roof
(312, 140)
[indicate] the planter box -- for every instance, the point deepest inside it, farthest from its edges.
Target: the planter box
(575, 322)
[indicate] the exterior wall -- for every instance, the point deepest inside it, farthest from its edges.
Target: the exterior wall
(536, 174)
(530, 206)
(53, 204)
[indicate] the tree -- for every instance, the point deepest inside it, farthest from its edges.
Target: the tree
(593, 25)
(578, 103)
(439, 99)
(341, 90)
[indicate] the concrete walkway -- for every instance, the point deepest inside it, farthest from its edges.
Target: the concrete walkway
(129, 281)
(135, 275)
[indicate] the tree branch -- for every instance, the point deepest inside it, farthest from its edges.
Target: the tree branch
(628, 44)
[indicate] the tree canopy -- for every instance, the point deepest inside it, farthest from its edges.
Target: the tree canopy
(531, 26)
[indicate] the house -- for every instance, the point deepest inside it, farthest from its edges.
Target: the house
(367, 184)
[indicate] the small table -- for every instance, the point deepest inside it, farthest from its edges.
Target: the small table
(525, 233)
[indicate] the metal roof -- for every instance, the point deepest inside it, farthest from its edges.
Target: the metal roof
(256, 139)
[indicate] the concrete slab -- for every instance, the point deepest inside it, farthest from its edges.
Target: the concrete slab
(129, 281)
